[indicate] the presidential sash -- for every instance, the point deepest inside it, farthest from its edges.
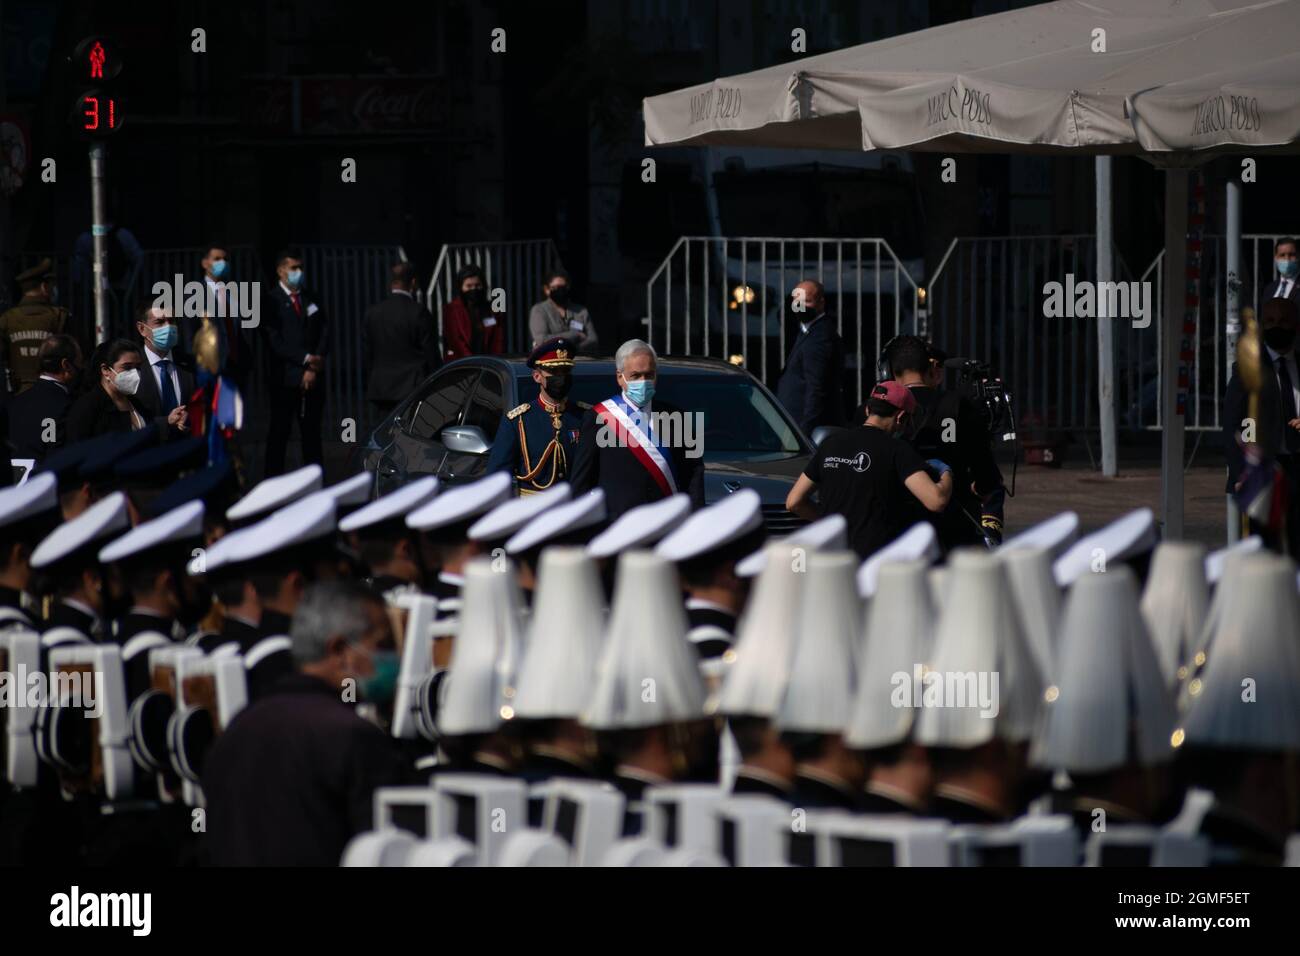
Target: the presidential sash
(625, 421)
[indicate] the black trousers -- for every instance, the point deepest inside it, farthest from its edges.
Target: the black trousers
(289, 405)
(1287, 542)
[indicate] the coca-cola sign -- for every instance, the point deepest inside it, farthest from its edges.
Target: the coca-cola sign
(349, 104)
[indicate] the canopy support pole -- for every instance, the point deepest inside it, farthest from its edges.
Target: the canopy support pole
(1105, 321)
(1233, 329)
(1171, 327)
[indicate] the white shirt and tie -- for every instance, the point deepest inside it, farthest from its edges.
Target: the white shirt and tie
(154, 360)
(1284, 287)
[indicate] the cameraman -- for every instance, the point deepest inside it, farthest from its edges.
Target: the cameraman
(949, 427)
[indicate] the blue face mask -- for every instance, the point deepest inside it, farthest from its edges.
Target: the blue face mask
(219, 268)
(164, 338)
(294, 279)
(1287, 268)
(640, 393)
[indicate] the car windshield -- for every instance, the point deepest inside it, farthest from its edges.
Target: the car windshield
(740, 421)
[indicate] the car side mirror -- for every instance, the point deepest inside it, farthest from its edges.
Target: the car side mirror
(820, 434)
(465, 440)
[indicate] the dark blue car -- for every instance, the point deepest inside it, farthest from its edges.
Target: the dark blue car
(446, 426)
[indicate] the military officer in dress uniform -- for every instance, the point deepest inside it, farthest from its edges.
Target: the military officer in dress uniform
(538, 439)
(25, 326)
(705, 549)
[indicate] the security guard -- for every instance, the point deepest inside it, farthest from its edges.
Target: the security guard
(25, 326)
(539, 439)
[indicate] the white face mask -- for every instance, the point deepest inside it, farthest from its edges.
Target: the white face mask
(127, 382)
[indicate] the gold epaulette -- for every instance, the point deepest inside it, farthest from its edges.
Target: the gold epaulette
(516, 412)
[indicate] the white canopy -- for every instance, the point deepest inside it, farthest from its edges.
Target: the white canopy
(1178, 82)
(1171, 79)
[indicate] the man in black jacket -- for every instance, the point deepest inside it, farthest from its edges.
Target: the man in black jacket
(400, 348)
(36, 416)
(167, 375)
(1277, 426)
(298, 336)
(812, 384)
(293, 777)
(1286, 285)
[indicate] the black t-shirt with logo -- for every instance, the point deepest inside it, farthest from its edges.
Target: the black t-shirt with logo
(860, 474)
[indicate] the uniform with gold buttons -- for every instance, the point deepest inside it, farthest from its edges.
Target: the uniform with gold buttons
(537, 440)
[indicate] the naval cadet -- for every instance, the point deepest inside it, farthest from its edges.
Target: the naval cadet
(389, 549)
(706, 549)
(537, 440)
(571, 523)
(68, 570)
(275, 492)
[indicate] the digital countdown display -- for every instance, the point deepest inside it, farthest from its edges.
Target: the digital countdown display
(95, 63)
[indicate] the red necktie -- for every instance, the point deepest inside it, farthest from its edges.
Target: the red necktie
(297, 306)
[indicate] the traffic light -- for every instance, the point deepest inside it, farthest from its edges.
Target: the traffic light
(96, 63)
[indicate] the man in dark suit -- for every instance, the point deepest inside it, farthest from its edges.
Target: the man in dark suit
(1285, 286)
(234, 340)
(627, 448)
(812, 384)
(1277, 425)
(293, 777)
(298, 336)
(36, 416)
(400, 348)
(168, 382)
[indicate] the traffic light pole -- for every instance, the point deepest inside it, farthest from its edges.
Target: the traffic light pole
(99, 236)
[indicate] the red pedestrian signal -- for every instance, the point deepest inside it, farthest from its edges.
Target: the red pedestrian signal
(95, 59)
(96, 63)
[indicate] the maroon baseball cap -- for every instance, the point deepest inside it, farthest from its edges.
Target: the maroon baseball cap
(900, 396)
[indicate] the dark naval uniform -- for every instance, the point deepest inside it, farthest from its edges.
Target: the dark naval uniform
(877, 800)
(293, 778)
(712, 629)
(816, 791)
(749, 780)
(538, 440)
(956, 808)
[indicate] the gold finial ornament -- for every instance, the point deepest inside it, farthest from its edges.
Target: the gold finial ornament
(207, 349)
(1248, 356)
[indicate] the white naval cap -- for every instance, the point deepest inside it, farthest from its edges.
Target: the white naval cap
(646, 649)
(899, 632)
(394, 506)
(1234, 562)
(352, 492)
(1055, 534)
(917, 543)
(480, 684)
(755, 683)
(304, 520)
(1038, 601)
(509, 516)
(979, 633)
(641, 527)
(180, 524)
(103, 518)
(36, 495)
(1110, 705)
(1123, 538)
(565, 635)
(825, 534)
(1255, 639)
(462, 502)
(726, 520)
(584, 512)
(1175, 602)
(1216, 561)
(272, 493)
(823, 670)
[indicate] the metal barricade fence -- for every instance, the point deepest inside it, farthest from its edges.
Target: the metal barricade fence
(518, 267)
(722, 297)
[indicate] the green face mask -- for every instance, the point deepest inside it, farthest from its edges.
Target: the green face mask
(381, 686)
